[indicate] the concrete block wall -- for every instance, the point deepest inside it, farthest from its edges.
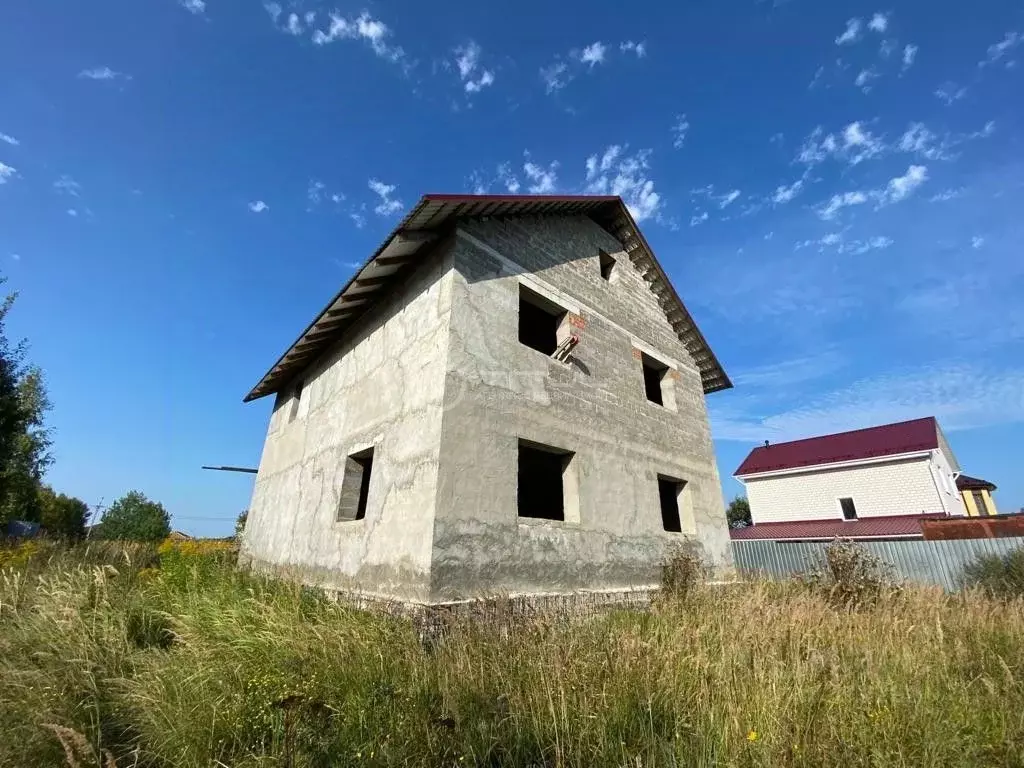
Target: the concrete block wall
(498, 391)
(903, 487)
(383, 387)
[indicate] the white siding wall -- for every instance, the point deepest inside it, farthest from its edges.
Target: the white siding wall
(952, 501)
(902, 487)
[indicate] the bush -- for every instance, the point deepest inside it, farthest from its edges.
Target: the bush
(852, 577)
(999, 576)
(135, 518)
(683, 571)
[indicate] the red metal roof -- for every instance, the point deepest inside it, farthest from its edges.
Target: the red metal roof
(886, 440)
(425, 224)
(892, 525)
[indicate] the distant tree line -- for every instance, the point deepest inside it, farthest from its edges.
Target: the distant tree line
(25, 442)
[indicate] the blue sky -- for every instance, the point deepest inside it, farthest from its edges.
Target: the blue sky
(836, 189)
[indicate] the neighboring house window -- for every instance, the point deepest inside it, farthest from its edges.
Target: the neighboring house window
(355, 486)
(979, 502)
(547, 487)
(849, 510)
(293, 410)
(607, 265)
(657, 382)
(539, 320)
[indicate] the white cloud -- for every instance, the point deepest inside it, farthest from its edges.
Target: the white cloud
(698, 219)
(358, 219)
(618, 173)
(947, 194)
(901, 187)
(9, 140)
(467, 59)
(977, 242)
(102, 73)
(194, 6)
(997, 51)
(961, 396)
(315, 191)
(784, 194)
(864, 79)
(909, 54)
(72, 213)
(640, 49)
(258, 206)
(852, 33)
(294, 26)
(16, 256)
(387, 205)
(363, 27)
(838, 202)
(6, 172)
(818, 75)
(274, 9)
(919, 140)
(949, 92)
(987, 130)
(67, 185)
(879, 23)
(593, 54)
(544, 181)
(854, 145)
(679, 129)
(724, 201)
(556, 76)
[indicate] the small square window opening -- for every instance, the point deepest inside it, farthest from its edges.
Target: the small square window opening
(547, 487)
(607, 265)
(539, 321)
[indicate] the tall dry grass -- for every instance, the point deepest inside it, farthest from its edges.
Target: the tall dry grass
(195, 664)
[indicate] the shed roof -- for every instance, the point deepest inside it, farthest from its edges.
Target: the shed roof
(968, 483)
(873, 442)
(434, 215)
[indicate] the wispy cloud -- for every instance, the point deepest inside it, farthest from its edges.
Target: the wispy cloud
(864, 78)
(853, 145)
(258, 206)
(474, 77)
(909, 55)
(852, 32)
(555, 76)
(879, 22)
(103, 73)
(897, 189)
(6, 172)
(838, 242)
(616, 172)
(997, 51)
(593, 53)
(388, 205)
(949, 92)
(679, 130)
(947, 194)
(197, 7)
(67, 186)
(786, 373)
(724, 201)
(363, 27)
(960, 395)
(542, 180)
(640, 49)
(9, 140)
(784, 194)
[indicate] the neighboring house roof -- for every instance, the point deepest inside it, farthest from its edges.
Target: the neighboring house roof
(968, 483)
(873, 442)
(866, 527)
(434, 216)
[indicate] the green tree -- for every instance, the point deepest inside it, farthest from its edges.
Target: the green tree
(62, 515)
(135, 517)
(738, 512)
(240, 524)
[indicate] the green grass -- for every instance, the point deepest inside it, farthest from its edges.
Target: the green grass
(195, 664)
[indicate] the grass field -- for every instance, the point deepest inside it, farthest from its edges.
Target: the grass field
(111, 656)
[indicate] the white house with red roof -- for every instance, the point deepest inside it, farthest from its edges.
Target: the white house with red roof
(870, 483)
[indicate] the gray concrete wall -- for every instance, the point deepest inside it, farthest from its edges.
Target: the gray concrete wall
(383, 387)
(498, 390)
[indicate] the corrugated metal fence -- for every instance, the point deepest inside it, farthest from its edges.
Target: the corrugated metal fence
(929, 562)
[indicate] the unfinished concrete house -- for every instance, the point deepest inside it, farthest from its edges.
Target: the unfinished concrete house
(507, 398)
